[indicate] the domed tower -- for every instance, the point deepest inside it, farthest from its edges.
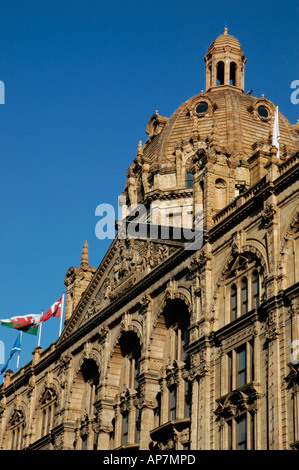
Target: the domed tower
(214, 148)
(225, 62)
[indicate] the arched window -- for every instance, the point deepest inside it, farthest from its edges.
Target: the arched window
(244, 288)
(178, 321)
(220, 194)
(124, 370)
(172, 419)
(220, 73)
(234, 302)
(17, 426)
(131, 351)
(232, 74)
(48, 407)
(83, 398)
(255, 289)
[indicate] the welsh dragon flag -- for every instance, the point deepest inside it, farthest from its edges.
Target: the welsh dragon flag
(27, 323)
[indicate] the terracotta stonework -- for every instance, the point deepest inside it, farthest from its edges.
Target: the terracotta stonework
(167, 348)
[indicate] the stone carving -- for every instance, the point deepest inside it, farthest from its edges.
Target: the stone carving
(93, 309)
(134, 257)
(269, 213)
(199, 263)
(129, 260)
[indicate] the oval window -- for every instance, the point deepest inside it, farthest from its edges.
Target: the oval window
(202, 107)
(263, 111)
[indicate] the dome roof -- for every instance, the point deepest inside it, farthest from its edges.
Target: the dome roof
(225, 40)
(228, 118)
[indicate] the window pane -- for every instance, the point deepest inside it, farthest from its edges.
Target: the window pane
(173, 403)
(189, 180)
(138, 424)
(230, 435)
(252, 430)
(255, 289)
(242, 434)
(234, 301)
(125, 429)
(242, 359)
(202, 107)
(188, 398)
(230, 372)
(49, 419)
(185, 342)
(136, 373)
(241, 364)
(245, 296)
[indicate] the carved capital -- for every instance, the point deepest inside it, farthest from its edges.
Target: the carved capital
(269, 212)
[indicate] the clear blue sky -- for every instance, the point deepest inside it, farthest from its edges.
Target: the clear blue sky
(82, 78)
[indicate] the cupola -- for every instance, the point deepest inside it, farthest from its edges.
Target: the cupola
(225, 62)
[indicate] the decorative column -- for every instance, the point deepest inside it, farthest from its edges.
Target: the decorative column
(103, 427)
(149, 387)
(270, 217)
(201, 397)
(148, 379)
(272, 336)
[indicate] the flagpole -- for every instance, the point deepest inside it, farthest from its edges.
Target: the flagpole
(40, 330)
(61, 315)
(18, 359)
(275, 133)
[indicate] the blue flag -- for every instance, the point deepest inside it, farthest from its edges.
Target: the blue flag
(16, 348)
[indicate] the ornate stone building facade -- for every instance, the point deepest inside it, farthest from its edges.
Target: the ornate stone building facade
(169, 348)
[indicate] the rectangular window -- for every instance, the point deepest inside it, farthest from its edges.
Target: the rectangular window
(172, 393)
(188, 398)
(185, 342)
(189, 179)
(138, 424)
(244, 296)
(125, 429)
(44, 422)
(252, 431)
(49, 418)
(230, 435)
(241, 366)
(136, 373)
(255, 290)
(242, 434)
(234, 303)
(13, 440)
(230, 371)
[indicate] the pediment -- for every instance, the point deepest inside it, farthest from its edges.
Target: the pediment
(127, 262)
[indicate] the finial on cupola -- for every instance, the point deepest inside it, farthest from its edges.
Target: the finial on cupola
(85, 257)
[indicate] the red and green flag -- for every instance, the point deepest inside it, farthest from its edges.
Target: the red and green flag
(27, 323)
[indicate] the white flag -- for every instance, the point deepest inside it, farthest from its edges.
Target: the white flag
(276, 136)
